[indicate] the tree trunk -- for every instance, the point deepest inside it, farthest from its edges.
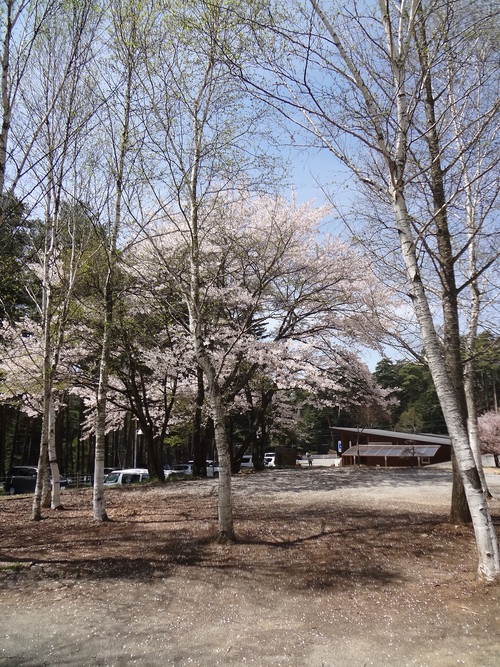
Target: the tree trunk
(154, 445)
(6, 98)
(36, 513)
(486, 538)
(193, 303)
(56, 503)
(42, 488)
(199, 443)
(225, 505)
(459, 512)
(225, 509)
(99, 507)
(451, 325)
(98, 495)
(4, 420)
(472, 425)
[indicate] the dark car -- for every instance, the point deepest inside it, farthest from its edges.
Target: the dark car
(22, 479)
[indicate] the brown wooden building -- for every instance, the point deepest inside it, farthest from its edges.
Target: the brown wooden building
(376, 447)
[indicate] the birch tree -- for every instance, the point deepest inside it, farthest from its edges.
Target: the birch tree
(22, 24)
(55, 77)
(478, 190)
(444, 359)
(118, 119)
(363, 93)
(202, 139)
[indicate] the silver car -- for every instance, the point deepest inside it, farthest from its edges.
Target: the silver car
(127, 476)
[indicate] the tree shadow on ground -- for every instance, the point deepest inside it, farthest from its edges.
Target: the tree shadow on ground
(330, 548)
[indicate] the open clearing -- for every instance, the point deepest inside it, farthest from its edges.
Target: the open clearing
(333, 567)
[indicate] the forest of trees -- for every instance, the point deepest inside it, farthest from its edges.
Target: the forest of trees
(163, 292)
(414, 409)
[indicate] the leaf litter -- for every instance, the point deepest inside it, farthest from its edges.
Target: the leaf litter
(332, 567)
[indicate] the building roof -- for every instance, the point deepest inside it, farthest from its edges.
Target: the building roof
(383, 449)
(430, 438)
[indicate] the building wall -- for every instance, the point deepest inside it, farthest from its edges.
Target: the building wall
(389, 461)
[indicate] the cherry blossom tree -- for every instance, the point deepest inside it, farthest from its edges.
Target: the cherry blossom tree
(489, 434)
(151, 364)
(275, 292)
(295, 375)
(21, 370)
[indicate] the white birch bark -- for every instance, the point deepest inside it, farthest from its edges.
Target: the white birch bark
(472, 423)
(225, 510)
(36, 511)
(46, 312)
(126, 36)
(60, 148)
(56, 503)
(98, 499)
(486, 538)
(473, 199)
(470, 370)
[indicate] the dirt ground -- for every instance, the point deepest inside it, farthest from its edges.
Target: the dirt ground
(332, 567)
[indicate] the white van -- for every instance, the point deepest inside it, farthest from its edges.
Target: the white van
(127, 476)
(212, 469)
(246, 461)
(270, 459)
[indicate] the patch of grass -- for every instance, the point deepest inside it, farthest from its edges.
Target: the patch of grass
(12, 567)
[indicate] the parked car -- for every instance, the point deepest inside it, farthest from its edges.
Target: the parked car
(127, 476)
(270, 460)
(22, 479)
(183, 469)
(176, 474)
(212, 468)
(246, 461)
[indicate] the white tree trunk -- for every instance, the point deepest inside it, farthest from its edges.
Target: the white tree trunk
(398, 38)
(99, 505)
(225, 504)
(486, 538)
(56, 503)
(472, 425)
(42, 489)
(126, 36)
(193, 302)
(36, 512)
